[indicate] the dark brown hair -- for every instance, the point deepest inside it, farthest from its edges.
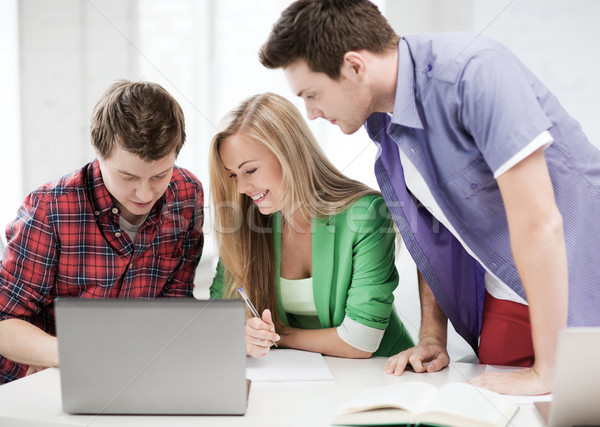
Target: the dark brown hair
(322, 31)
(139, 117)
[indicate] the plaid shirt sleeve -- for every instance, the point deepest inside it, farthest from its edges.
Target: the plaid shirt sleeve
(26, 272)
(28, 268)
(181, 282)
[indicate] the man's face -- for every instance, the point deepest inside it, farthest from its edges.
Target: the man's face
(135, 183)
(344, 102)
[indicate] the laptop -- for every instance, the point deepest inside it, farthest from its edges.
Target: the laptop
(576, 380)
(152, 356)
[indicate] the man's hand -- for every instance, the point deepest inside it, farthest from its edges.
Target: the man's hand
(523, 382)
(429, 355)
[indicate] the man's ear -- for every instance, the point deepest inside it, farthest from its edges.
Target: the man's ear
(354, 65)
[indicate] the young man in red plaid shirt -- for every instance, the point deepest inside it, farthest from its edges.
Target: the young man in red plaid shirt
(126, 225)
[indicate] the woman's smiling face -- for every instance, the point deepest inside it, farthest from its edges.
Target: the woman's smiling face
(256, 171)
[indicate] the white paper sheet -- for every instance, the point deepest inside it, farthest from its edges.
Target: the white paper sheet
(288, 365)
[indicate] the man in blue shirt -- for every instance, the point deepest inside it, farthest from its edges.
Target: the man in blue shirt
(493, 186)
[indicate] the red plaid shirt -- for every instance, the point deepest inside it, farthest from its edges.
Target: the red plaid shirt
(66, 241)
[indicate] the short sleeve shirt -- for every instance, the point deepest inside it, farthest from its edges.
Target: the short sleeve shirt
(464, 107)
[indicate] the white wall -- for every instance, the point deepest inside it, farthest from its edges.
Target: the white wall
(70, 51)
(10, 153)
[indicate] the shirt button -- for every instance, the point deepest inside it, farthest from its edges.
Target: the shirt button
(115, 210)
(474, 186)
(429, 67)
(118, 234)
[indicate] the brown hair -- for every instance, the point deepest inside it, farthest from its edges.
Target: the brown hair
(322, 31)
(313, 187)
(139, 117)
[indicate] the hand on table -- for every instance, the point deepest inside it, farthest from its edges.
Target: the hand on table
(522, 382)
(427, 356)
(260, 335)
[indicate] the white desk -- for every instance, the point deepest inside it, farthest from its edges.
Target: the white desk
(36, 401)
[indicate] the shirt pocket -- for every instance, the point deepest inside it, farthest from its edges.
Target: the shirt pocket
(475, 199)
(474, 181)
(158, 271)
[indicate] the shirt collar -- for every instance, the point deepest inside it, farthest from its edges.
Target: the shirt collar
(100, 197)
(405, 107)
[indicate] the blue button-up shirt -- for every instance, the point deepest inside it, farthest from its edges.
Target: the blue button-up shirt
(464, 106)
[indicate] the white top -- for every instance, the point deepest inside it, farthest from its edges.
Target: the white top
(297, 298)
(418, 187)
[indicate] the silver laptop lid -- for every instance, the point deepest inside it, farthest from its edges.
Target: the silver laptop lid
(160, 356)
(576, 388)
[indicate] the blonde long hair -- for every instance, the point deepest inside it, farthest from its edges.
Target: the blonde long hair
(313, 187)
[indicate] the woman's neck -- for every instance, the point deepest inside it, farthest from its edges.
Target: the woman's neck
(296, 224)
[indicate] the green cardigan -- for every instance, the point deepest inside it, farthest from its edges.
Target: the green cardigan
(354, 272)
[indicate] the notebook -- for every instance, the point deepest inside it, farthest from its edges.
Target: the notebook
(152, 356)
(576, 380)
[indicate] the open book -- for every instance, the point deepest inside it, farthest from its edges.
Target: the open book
(454, 404)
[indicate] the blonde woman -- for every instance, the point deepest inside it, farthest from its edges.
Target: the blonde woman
(312, 249)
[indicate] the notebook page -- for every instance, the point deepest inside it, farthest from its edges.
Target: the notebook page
(288, 365)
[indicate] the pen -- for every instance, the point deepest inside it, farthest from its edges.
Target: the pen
(248, 302)
(251, 306)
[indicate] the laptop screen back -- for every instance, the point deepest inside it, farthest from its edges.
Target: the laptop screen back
(160, 356)
(576, 389)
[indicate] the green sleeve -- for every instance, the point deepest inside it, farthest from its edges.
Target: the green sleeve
(216, 289)
(375, 277)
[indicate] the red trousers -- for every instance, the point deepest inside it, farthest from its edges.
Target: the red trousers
(505, 333)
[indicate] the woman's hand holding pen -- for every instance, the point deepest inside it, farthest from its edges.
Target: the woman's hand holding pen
(260, 335)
